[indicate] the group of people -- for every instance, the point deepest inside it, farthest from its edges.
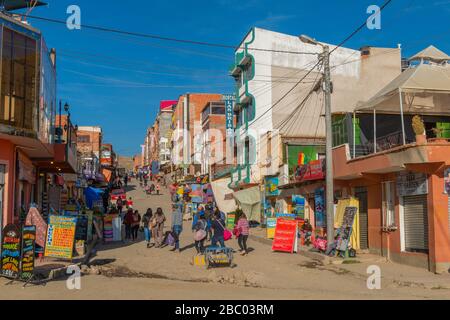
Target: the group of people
(212, 227)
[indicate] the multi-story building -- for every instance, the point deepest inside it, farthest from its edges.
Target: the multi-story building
(187, 134)
(28, 149)
(394, 157)
(164, 120)
(215, 144)
(280, 106)
(89, 142)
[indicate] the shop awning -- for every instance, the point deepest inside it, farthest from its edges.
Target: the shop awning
(424, 88)
(221, 190)
(250, 202)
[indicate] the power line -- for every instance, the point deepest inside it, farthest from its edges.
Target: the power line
(358, 29)
(159, 37)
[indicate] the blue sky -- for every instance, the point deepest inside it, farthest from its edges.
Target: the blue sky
(117, 81)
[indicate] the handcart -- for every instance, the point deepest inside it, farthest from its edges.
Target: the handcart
(219, 257)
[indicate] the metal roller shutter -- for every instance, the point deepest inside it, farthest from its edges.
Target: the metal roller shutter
(416, 223)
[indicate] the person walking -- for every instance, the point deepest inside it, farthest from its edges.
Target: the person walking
(243, 229)
(218, 226)
(125, 180)
(177, 224)
(200, 234)
(128, 222)
(135, 225)
(158, 189)
(160, 218)
(146, 223)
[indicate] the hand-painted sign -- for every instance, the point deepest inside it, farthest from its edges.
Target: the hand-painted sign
(346, 229)
(60, 237)
(271, 225)
(285, 239)
(298, 203)
(11, 252)
(272, 186)
(28, 251)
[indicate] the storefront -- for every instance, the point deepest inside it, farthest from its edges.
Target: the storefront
(412, 190)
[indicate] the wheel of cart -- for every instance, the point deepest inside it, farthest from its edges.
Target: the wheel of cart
(218, 257)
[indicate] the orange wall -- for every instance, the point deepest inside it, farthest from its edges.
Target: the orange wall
(7, 157)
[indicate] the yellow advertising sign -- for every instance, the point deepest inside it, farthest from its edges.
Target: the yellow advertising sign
(60, 237)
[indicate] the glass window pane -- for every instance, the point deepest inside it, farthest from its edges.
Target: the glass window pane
(19, 47)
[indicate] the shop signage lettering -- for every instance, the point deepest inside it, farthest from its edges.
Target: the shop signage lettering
(285, 239)
(229, 100)
(60, 237)
(412, 184)
(28, 251)
(11, 252)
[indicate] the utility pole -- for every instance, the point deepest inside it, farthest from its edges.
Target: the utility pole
(329, 146)
(325, 55)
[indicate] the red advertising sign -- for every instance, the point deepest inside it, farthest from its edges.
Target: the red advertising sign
(285, 239)
(312, 171)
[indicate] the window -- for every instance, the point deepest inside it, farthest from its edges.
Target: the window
(218, 110)
(18, 105)
(84, 139)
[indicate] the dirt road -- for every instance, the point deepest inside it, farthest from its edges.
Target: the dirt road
(132, 271)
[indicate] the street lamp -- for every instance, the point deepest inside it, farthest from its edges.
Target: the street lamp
(329, 134)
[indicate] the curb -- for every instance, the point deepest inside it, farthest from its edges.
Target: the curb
(61, 272)
(308, 254)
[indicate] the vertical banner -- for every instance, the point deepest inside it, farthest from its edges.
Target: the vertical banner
(320, 215)
(298, 206)
(60, 237)
(11, 252)
(28, 251)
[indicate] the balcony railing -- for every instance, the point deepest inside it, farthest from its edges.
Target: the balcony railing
(385, 142)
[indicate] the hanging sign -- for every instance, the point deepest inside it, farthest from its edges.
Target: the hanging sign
(412, 184)
(28, 251)
(285, 239)
(60, 237)
(229, 100)
(11, 252)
